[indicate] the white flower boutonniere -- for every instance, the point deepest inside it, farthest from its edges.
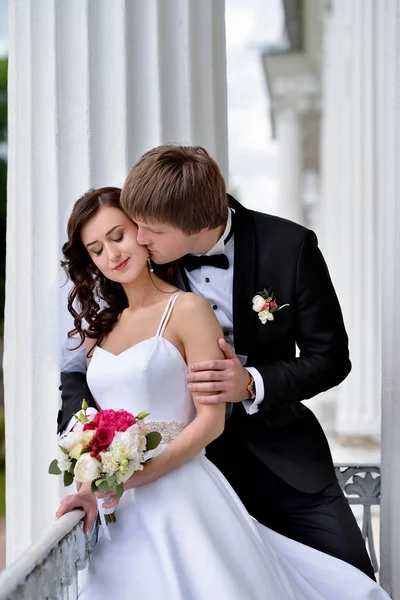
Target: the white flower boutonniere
(265, 305)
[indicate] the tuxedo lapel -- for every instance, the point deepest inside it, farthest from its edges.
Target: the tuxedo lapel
(244, 278)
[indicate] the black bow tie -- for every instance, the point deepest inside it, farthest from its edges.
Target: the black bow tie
(191, 262)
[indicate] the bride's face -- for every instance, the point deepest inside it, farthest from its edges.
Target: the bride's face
(110, 239)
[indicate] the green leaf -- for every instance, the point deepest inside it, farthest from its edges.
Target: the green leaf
(68, 478)
(111, 482)
(54, 468)
(267, 293)
(84, 404)
(98, 482)
(142, 416)
(82, 418)
(63, 449)
(119, 489)
(103, 486)
(153, 439)
(72, 467)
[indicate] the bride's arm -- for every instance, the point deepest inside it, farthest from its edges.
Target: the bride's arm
(199, 331)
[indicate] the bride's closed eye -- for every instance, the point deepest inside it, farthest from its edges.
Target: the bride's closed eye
(117, 240)
(121, 237)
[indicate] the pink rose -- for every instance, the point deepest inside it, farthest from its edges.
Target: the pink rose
(124, 420)
(91, 426)
(104, 436)
(118, 420)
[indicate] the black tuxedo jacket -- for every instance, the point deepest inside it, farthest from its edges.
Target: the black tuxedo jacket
(284, 434)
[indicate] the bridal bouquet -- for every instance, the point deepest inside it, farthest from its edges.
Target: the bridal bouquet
(105, 451)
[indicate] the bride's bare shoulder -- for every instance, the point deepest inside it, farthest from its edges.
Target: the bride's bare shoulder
(188, 303)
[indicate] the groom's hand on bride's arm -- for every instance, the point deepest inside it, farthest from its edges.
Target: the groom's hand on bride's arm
(84, 499)
(226, 378)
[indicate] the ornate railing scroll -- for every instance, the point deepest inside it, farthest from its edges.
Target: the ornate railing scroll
(362, 486)
(49, 568)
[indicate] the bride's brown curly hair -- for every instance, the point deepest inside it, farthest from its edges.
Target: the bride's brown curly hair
(90, 286)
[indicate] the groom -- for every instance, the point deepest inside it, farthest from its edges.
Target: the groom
(273, 450)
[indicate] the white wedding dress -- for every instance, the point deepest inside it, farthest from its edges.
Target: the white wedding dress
(187, 536)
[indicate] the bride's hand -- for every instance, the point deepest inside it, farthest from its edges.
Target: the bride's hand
(84, 499)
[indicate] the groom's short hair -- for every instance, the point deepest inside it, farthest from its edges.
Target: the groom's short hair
(179, 185)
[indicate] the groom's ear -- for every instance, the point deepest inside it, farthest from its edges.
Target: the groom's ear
(205, 229)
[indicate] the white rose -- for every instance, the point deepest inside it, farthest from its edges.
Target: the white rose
(87, 468)
(265, 316)
(63, 461)
(127, 444)
(78, 427)
(142, 427)
(138, 430)
(258, 303)
(87, 436)
(76, 451)
(72, 438)
(141, 442)
(129, 470)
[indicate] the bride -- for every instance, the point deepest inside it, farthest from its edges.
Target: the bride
(181, 532)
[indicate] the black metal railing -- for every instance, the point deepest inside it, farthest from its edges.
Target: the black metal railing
(361, 485)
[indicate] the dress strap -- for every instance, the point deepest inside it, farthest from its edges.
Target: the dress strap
(167, 314)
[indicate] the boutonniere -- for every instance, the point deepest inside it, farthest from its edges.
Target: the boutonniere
(264, 303)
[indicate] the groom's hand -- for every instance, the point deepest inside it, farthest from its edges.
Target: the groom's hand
(226, 378)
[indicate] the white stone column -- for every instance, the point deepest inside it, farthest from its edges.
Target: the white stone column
(350, 237)
(387, 27)
(290, 148)
(294, 91)
(92, 85)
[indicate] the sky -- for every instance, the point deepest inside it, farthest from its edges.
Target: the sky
(251, 25)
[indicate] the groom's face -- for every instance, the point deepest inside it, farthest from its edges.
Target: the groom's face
(164, 242)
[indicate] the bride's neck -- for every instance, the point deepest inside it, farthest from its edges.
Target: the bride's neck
(146, 289)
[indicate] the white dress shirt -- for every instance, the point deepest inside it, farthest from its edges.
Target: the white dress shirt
(216, 285)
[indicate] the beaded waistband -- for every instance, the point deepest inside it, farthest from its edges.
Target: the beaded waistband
(169, 430)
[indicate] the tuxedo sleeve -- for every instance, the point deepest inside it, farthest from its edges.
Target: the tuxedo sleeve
(323, 361)
(74, 389)
(73, 380)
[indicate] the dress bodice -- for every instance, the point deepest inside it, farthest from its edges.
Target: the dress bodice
(147, 377)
